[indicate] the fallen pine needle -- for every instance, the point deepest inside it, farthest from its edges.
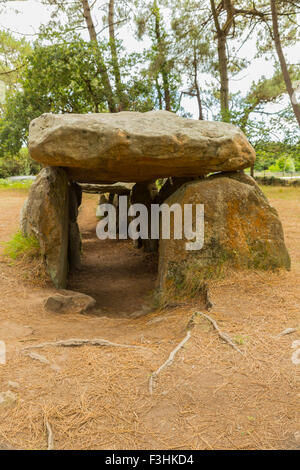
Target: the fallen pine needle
(168, 361)
(38, 357)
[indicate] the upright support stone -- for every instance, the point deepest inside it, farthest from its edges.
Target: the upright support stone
(74, 249)
(145, 193)
(170, 186)
(116, 205)
(241, 230)
(45, 216)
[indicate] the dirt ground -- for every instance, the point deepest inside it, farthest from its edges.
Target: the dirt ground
(210, 397)
(120, 277)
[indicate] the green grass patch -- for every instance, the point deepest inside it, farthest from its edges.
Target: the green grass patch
(6, 184)
(239, 339)
(20, 246)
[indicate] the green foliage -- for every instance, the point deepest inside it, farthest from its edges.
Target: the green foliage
(13, 54)
(277, 156)
(64, 78)
(21, 245)
(159, 57)
(55, 80)
(63, 73)
(19, 164)
(284, 164)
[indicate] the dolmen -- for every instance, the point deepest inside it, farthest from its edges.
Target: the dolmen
(196, 162)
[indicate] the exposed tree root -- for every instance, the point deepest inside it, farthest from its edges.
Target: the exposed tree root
(73, 342)
(222, 335)
(42, 359)
(288, 331)
(49, 435)
(190, 325)
(38, 357)
(168, 361)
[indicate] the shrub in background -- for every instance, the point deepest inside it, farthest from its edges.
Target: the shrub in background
(20, 164)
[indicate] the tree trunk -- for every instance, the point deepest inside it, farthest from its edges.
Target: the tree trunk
(114, 56)
(88, 18)
(160, 104)
(201, 118)
(223, 61)
(223, 68)
(283, 65)
(166, 90)
(102, 68)
(164, 73)
(198, 95)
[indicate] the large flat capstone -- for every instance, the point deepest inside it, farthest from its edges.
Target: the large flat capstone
(132, 146)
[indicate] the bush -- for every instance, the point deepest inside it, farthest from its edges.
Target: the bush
(283, 164)
(20, 164)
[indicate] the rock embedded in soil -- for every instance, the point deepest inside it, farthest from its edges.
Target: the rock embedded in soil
(132, 146)
(241, 230)
(7, 398)
(12, 384)
(69, 302)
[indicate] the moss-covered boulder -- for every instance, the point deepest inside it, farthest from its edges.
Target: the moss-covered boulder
(241, 230)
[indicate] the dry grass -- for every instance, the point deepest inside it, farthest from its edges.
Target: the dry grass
(284, 193)
(24, 253)
(210, 397)
(32, 271)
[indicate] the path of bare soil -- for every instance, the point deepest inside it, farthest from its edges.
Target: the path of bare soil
(211, 397)
(120, 277)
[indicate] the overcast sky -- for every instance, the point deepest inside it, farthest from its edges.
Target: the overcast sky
(31, 14)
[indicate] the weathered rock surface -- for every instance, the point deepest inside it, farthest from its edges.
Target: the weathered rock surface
(131, 146)
(45, 216)
(145, 193)
(74, 247)
(170, 186)
(69, 302)
(122, 189)
(241, 230)
(8, 398)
